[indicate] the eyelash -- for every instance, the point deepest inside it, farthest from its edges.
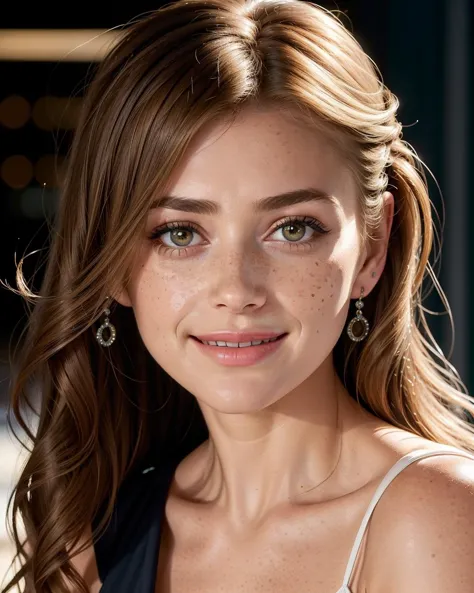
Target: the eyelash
(309, 221)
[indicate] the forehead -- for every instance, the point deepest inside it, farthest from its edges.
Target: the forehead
(262, 153)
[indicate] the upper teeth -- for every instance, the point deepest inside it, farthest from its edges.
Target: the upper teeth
(240, 344)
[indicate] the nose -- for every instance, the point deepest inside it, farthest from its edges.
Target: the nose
(237, 281)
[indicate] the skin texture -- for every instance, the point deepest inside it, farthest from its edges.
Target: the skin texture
(273, 422)
(273, 500)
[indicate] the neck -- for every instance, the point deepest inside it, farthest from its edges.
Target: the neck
(255, 462)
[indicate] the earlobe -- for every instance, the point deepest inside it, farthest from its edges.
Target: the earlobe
(376, 256)
(123, 298)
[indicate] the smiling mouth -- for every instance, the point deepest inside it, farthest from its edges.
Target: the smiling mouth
(248, 344)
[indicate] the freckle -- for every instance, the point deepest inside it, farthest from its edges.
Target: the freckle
(318, 287)
(433, 555)
(331, 295)
(312, 295)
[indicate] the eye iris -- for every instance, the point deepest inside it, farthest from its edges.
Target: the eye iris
(300, 230)
(179, 235)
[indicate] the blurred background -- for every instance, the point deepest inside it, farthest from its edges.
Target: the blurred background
(47, 56)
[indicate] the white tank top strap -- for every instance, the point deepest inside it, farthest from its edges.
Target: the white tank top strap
(393, 472)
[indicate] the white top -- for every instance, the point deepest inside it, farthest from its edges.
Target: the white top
(393, 472)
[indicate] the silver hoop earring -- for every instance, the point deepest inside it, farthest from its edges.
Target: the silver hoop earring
(358, 319)
(106, 325)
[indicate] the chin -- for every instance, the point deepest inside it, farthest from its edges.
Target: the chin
(233, 401)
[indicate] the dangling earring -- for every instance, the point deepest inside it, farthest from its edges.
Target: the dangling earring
(106, 325)
(359, 318)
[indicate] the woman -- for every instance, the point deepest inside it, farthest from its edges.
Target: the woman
(230, 339)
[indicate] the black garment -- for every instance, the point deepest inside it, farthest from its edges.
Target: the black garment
(127, 553)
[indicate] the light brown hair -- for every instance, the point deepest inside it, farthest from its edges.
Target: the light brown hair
(105, 410)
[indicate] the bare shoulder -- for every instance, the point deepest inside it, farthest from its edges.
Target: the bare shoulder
(86, 565)
(421, 537)
(84, 562)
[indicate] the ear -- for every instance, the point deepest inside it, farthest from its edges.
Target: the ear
(123, 298)
(375, 251)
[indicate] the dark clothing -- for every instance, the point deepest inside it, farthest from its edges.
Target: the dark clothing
(127, 553)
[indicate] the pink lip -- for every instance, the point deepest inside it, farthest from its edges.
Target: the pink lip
(236, 357)
(242, 336)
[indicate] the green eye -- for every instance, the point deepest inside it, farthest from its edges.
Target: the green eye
(295, 231)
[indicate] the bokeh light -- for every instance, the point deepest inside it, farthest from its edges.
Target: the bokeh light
(16, 171)
(14, 112)
(53, 113)
(37, 202)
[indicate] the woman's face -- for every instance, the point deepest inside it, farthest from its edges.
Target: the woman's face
(250, 263)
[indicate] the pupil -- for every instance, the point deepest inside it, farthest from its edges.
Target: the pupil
(178, 234)
(294, 228)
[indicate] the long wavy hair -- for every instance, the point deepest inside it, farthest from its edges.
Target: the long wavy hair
(104, 411)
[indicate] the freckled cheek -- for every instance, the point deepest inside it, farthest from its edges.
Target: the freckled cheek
(160, 291)
(319, 303)
(316, 286)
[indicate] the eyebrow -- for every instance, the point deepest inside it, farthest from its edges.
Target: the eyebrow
(268, 204)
